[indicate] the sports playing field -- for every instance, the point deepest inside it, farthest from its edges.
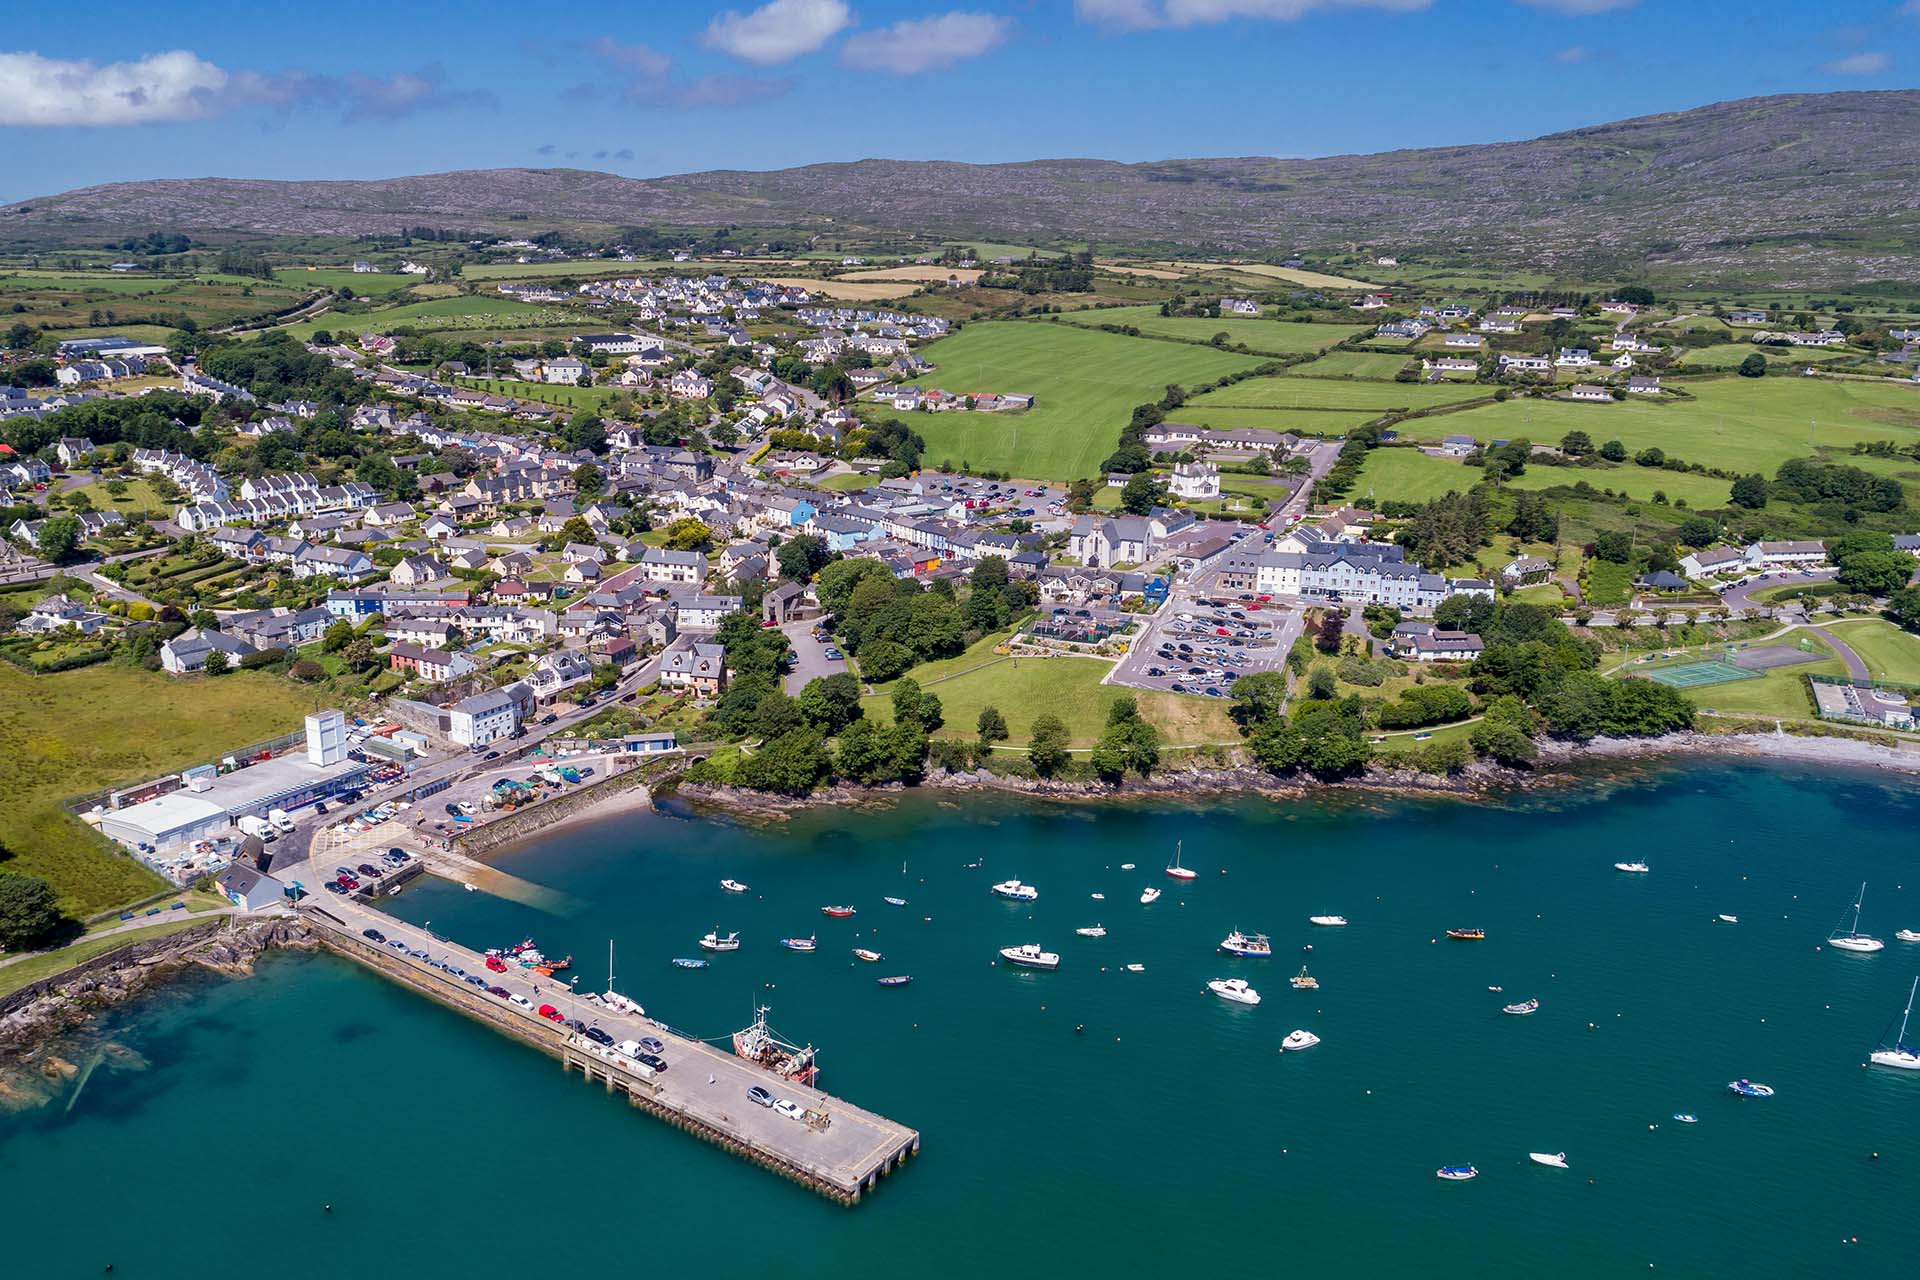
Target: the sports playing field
(1085, 385)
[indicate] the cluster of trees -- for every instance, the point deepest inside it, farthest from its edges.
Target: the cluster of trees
(1810, 480)
(1129, 744)
(144, 422)
(892, 624)
(1346, 468)
(1070, 274)
(274, 366)
(28, 910)
(1448, 530)
(1868, 564)
(1534, 519)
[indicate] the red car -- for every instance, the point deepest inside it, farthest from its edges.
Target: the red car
(550, 1013)
(348, 883)
(496, 964)
(1221, 631)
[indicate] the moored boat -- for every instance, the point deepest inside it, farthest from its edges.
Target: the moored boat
(1724, 918)
(1092, 931)
(1136, 968)
(1900, 1054)
(1234, 989)
(1748, 1089)
(895, 902)
(798, 944)
(685, 962)
(1328, 922)
(1554, 1160)
(1908, 935)
(1298, 1040)
(1852, 939)
(1467, 935)
(1686, 1117)
(1523, 1008)
(837, 912)
(1254, 946)
(1016, 891)
(1177, 871)
(758, 1045)
(1456, 1173)
(1304, 981)
(715, 942)
(871, 957)
(897, 980)
(1632, 868)
(733, 886)
(1149, 894)
(1029, 956)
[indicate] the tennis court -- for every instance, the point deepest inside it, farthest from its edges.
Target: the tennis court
(1693, 675)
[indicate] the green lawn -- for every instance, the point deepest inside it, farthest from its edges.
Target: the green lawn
(1889, 652)
(80, 731)
(1269, 337)
(594, 268)
(1374, 365)
(1085, 386)
(1744, 424)
(1635, 481)
(1411, 476)
(29, 971)
(544, 393)
(365, 284)
(1302, 422)
(479, 312)
(1290, 391)
(1728, 355)
(1027, 688)
(139, 495)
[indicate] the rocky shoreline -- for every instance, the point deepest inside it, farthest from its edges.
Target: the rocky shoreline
(49, 1028)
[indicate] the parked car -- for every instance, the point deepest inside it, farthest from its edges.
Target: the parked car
(790, 1109)
(551, 1014)
(498, 991)
(652, 1044)
(759, 1096)
(522, 1001)
(475, 980)
(598, 1036)
(374, 934)
(653, 1060)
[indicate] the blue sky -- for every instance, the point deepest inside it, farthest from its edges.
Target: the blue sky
(357, 90)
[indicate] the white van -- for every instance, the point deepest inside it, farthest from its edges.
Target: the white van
(281, 819)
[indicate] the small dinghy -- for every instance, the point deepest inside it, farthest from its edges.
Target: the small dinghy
(1092, 931)
(1724, 918)
(1456, 1172)
(895, 902)
(1748, 1089)
(1098, 897)
(838, 911)
(1328, 922)
(871, 957)
(1556, 1160)
(798, 944)
(1467, 935)
(898, 980)
(1523, 1009)
(684, 962)
(1298, 1040)
(1686, 1117)
(1136, 968)
(1126, 866)
(733, 886)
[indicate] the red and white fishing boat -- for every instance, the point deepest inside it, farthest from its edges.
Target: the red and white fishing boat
(758, 1045)
(838, 912)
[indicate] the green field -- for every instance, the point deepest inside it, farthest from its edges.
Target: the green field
(1269, 337)
(1744, 424)
(1890, 653)
(1085, 386)
(365, 284)
(1634, 481)
(1070, 688)
(544, 393)
(1779, 692)
(66, 301)
(1372, 365)
(80, 731)
(1293, 392)
(438, 315)
(1412, 476)
(598, 268)
(1302, 422)
(1728, 355)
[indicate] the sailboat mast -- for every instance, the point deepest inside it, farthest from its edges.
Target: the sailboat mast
(1857, 902)
(1902, 1041)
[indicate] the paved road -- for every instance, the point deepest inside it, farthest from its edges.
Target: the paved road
(1856, 667)
(1742, 596)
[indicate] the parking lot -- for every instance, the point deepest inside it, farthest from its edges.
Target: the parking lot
(1201, 644)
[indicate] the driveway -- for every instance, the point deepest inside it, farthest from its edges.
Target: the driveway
(1856, 667)
(812, 656)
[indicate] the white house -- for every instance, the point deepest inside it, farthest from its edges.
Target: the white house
(1195, 481)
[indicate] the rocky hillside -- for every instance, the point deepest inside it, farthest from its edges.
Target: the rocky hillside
(1800, 188)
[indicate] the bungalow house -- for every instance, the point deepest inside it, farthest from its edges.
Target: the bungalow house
(1574, 358)
(695, 665)
(61, 613)
(583, 571)
(1786, 555)
(388, 514)
(1458, 446)
(1643, 386)
(1434, 645)
(1587, 391)
(1661, 580)
(188, 652)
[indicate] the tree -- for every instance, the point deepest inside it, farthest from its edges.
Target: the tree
(1141, 494)
(882, 660)
(862, 753)
(1875, 573)
(1327, 635)
(306, 670)
(28, 911)
(688, 534)
(1576, 444)
(1754, 366)
(913, 705)
(1614, 546)
(1047, 745)
(1613, 451)
(58, 537)
(1651, 456)
(1749, 492)
(1322, 683)
(803, 557)
(588, 479)
(218, 663)
(793, 764)
(1129, 744)
(1258, 699)
(831, 703)
(360, 655)
(992, 726)
(1903, 608)
(337, 637)
(1697, 531)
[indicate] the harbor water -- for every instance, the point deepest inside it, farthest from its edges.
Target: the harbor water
(1089, 1120)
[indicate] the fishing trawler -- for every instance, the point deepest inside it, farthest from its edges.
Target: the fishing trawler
(1252, 945)
(758, 1045)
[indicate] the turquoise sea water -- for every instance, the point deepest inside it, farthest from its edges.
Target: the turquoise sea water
(1087, 1121)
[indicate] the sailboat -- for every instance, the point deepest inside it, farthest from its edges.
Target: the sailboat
(1174, 868)
(1853, 939)
(1902, 1054)
(612, 998)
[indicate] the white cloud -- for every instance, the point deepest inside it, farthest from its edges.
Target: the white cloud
(779, 31)
(1858, 64)
(57, 91)
(1142, 15)
(1572, 53)
(1580, 8)
(906, 48)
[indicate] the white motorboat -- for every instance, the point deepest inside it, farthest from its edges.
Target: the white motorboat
(1298, 1040)
(1748, 1089)
(1126, 866)
(1136, 968)
(1686, 1117)
(1328, 922)
(1852, 939)
(1177, 871)
(1908, 935)
(1456, 1173)
(1304, 981)
(1901, 1055)
(1253, 946)
(1723, 918)
(714, 942)
(1016, 891)
(1092, 931)
(733, 886)
(1634, 868)
(1234, 989)
(1149, 894)
(1523, 1008)
(1030, 956)
(866, 954)
(1099, 897)
(1554, 1160)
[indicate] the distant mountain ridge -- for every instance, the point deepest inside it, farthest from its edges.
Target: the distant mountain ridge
(1804, 189)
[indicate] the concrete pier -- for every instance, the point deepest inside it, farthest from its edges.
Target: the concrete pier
(839, 1150)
